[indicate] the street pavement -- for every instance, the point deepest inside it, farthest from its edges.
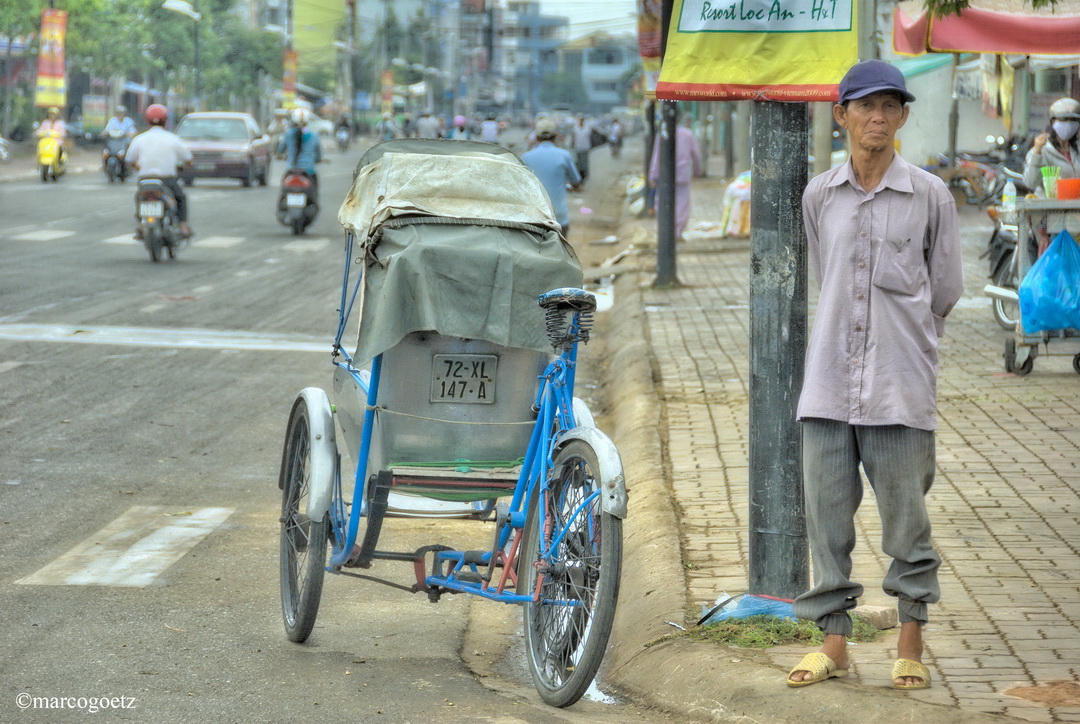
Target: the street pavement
(1003, 644)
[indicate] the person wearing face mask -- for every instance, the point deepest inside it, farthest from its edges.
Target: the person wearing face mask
(1058, 146)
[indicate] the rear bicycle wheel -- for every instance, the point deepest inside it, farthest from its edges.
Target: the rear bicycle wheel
(303, 541)
(567, 629)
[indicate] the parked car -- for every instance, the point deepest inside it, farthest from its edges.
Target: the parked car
(225, 145)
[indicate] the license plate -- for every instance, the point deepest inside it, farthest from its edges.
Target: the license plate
(296, 200)
(151, 208)
(464, 378)
(204, 167)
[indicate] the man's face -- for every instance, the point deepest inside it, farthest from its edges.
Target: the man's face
(872, 121)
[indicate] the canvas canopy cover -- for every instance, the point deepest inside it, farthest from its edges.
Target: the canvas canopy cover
(988, 26)
(457, 238)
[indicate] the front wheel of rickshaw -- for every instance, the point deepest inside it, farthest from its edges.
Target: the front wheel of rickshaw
(303, 541)
(568, 623)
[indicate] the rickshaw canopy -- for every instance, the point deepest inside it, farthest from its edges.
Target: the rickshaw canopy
(456, 240)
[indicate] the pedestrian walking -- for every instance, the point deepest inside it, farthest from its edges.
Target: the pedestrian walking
(687, 165)
(489, 130)
(555, 168)
(427, 126)
(884, 244)
(582, 143)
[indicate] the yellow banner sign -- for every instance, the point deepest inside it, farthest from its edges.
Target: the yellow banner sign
(51, 89)
(778, 50)
(288, 80)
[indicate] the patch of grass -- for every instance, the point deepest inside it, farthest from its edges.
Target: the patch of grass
(762, 632)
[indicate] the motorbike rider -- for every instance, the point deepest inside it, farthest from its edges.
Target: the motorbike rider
(344, 123)
(121, 122)
(157, 153)
(301, 149)
(53, 122)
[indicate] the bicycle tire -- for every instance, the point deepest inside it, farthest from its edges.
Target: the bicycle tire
(303, 541)
(565, 644)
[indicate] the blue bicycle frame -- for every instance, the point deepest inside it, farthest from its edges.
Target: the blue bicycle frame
(459, 571)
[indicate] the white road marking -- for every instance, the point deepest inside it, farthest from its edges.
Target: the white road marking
(133, 550)
(169, 338)
(243, 273)
(8, 366)
(305, 245)
(151, 308)
(202, 290)
(122, 239)
(44, 235)
(217, 242)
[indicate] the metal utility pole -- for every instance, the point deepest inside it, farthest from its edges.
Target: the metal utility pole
(665, 194)
(665, 187)
(778, 311)
(650, 139)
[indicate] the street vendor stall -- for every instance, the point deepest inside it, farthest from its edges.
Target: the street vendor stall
(1022, 346)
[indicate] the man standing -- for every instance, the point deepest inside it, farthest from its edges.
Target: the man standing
(884, 244)
(688, 165)
(489, 130)
(582, 139)
(555, 168)
(427, 126)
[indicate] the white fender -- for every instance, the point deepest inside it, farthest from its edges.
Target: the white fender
(582, 414)
(323, 454)
(613, 485)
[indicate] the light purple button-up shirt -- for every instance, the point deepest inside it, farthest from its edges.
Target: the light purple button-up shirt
(889, 266)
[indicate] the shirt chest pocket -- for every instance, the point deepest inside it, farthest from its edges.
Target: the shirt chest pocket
(900, 267)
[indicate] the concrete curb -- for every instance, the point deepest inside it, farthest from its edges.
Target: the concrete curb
(699, 681)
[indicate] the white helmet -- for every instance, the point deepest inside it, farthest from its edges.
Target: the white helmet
(298, 117)
(1065, 108)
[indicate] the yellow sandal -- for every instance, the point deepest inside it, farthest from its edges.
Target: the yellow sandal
(818, 664)
(907, 667)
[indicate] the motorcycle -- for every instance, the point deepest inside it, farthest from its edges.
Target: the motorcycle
(297, 206)
(116, 143)
(51, 157)
(159, 220)
(1004, 270)
(341, 135)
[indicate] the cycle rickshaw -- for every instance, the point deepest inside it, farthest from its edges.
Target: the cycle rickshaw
(467, 314)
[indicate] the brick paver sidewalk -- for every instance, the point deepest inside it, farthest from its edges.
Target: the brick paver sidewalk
(1004, 506)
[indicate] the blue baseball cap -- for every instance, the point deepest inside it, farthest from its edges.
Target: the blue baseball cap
(873, 76)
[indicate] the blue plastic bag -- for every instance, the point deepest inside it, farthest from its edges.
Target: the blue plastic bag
(1050, 293)
(750, 605)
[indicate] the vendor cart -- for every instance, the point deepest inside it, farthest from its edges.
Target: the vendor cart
(1022, 347)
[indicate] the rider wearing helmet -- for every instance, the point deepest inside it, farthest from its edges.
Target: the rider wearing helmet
(158, 154)
(53, 122)
(121, 122)
(300, 147)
